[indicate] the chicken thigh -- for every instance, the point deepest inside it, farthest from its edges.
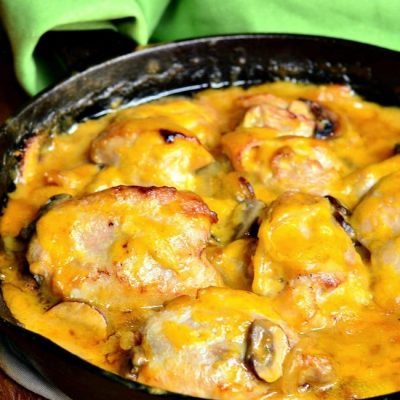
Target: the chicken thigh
(222, 343)
(307, 262)
(124, 247)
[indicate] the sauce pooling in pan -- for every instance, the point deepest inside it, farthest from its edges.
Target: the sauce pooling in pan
(239, 244)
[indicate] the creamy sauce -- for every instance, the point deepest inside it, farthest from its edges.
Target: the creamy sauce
(235, 149)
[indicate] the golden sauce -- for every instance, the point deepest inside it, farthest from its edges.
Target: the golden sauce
(328, 278)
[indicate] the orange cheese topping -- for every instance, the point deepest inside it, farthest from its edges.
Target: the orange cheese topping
(298, 279)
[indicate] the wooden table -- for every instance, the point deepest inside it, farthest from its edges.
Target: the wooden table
(9, 390)
(11, 98)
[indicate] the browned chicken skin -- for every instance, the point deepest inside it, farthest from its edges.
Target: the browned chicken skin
(307, 262)
(221, 344)
(146, 152)
(377, 222)
(124, 247)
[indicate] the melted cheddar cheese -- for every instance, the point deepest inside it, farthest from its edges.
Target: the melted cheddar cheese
(238, 244)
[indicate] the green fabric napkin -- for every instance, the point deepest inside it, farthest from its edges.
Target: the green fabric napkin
(27, 20)
(371, 21)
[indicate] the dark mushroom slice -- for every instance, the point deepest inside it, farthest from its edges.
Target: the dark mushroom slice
(267, 349)
(249, 212)
(341, 215)
(78, 319)
(170, 136)
(326, 121)
(238, 186)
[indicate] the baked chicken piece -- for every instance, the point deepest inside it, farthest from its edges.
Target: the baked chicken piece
(296, 118)
(222, 344)
(306, 261)
(284, 163)
(124, 247)
(358, 183)
(376, 221)
(193, 115)
(147, 152)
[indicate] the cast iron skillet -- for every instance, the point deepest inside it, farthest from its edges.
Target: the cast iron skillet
(178, 67)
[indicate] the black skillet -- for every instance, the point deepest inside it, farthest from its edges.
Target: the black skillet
(177, 67)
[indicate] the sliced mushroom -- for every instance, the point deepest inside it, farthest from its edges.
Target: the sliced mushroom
(326, 122)
(77, 319)
(267, 349)
(238, 186)
(248, 212)
(341, 215)
(79, 316)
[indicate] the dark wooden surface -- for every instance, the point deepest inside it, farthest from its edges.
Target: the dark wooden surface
(11, 98)
(9, 390)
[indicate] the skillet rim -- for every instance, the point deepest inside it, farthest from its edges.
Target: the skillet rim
(10, 328)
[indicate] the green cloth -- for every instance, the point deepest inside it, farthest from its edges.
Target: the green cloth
(27, 20)
(371, 21)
